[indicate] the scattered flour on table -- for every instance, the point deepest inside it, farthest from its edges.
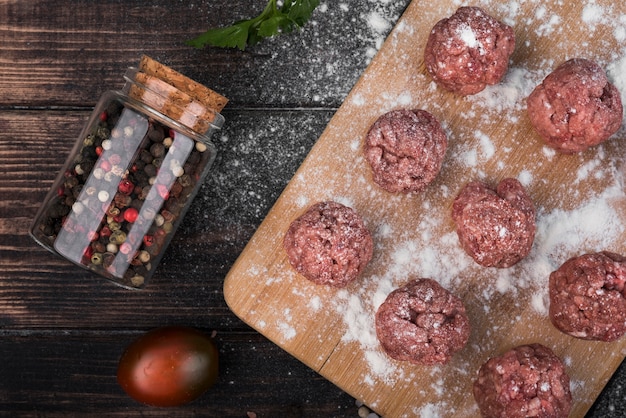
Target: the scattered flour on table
(592, 14)
(487, 146)
(432, 410)
(590, 168)
(593, 226)
(378, 23)
(285, 327)
(315, 303)
(510, 93)
(379, 20)
(616, 72)
(525, 177)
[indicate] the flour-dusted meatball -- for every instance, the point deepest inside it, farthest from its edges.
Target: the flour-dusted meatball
(329, 244)
(575, 107)
(588, 297)
(422, 323)
(495, 227)
(405, 150)
(527, 381)
(468, 51)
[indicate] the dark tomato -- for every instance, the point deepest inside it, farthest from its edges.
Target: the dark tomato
(168, 366)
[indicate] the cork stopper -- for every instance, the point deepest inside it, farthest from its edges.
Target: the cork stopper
(194, 89)
(175, 95)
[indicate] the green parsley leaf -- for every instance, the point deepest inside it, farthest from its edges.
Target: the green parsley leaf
(272, 21)
(300, 11)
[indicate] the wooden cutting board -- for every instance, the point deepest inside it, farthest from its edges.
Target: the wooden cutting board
(580, 202)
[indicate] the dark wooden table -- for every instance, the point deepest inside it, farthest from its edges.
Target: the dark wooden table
(62, 329)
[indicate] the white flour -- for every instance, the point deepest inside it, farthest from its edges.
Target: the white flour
(616, 72)
(592, 226)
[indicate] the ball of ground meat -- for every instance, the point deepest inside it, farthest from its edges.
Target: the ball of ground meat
(422, 323)
(588, 296)
(495, 227)
(329, 244)
(575, 107)
(405, 150)
(527, 381)
(468, 51)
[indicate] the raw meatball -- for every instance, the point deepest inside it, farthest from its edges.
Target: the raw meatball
(587, 296)
(422, 323)
(495, 227)
(405, 149)
(527, 381)
(575, 107)
(468, 51)
(329, 244)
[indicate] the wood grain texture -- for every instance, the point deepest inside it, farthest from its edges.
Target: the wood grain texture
(87, 385)
(62, 329)
(188, 284)
(265, 291)
(67, 55)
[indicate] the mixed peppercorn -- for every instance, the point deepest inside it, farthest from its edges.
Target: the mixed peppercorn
(118, 203)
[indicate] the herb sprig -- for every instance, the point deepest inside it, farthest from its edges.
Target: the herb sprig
(273, 20)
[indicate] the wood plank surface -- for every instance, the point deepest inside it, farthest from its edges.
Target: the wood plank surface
(62, 330)
(70, 52)
(84, 387)
(188, 286)
(316, 324)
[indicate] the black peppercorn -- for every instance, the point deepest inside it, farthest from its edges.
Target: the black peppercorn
(194, 158)
(157, 150)
(185, 180)
(150, 170)
(76, 191)
(145, 156)
(89, 152)
(155, 133)
(87, 165)
(176, 189)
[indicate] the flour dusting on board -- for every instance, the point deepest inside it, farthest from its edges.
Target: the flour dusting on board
(560, 234)
(478, 148)
(592, 226)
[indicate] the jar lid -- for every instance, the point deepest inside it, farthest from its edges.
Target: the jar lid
(204, 95)
(175, 95)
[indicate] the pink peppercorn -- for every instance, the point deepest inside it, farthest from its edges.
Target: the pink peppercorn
(93, 236)
(130, 215)
(88, 252)
(125, 248)
(126, 187)
(105, 165)
(148, 240)
(163, 191)
(105, 232)
(115, 159)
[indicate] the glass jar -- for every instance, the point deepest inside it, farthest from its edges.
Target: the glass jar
(132, 174)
